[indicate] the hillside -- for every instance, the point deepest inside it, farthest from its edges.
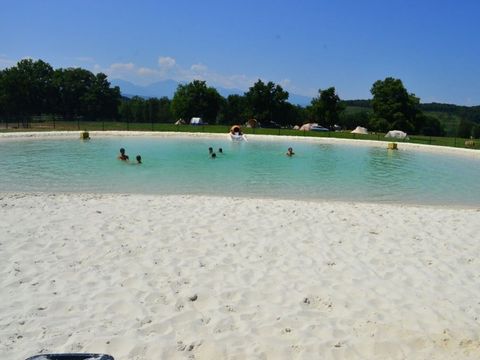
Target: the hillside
(449, 115)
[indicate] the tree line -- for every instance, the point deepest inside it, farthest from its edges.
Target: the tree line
(34, 88)
(469, 116)
(392, 108)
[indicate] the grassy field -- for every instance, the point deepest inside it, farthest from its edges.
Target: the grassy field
(123, 126)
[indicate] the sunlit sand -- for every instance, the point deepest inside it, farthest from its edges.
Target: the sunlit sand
(183, 277)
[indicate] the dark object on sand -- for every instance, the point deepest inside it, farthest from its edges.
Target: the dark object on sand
(71, 357)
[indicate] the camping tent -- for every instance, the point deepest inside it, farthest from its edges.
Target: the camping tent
(397, 134)
(360, 130)
(251, 123)
(307, 126)
(180, 122)
(196, 121)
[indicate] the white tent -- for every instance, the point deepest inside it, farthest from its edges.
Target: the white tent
(360, 130)
(180, 122)
(196, 121)
(397, 134)
(308, 126)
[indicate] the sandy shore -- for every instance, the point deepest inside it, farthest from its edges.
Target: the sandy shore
(177, 277)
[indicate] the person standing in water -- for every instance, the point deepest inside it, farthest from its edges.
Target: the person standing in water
(290, 152)
(139, 159)
(122, 155)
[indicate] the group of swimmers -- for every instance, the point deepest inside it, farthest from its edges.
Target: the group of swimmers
(124, 157)
(220, 150)
(212, 154)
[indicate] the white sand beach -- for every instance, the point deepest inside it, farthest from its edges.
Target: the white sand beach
(183, 277)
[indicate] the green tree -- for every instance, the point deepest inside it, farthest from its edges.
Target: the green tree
(290, 115)
(100, 100)
(138, 106)
(476, 131)
(196, 100)
(27, 88)
(151, 107)
(233, 110)
(265, 101)
(3, 94)
(431, 126)
(350, 120)
(138, 109)
(393, 105)
(301, 115)
(376, 123)
(465, 129)
(326, 107)
(73, 84)
(34, 88)
(125, 110)
(158, 110)
(164, 113)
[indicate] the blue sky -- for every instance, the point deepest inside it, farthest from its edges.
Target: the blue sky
(432, 46)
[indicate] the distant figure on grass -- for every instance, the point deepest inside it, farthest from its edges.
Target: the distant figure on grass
(290, 152)
(122, 155)
(139, 159)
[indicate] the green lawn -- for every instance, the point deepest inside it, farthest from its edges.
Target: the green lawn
(99, 126)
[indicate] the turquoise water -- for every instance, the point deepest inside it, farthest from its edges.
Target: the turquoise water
(255, 168)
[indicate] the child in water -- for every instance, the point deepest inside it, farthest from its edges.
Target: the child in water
(122, 155)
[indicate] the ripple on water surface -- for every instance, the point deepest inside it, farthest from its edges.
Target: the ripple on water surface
(256, 168)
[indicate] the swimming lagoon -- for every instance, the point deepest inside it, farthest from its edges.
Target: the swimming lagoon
(342, 171)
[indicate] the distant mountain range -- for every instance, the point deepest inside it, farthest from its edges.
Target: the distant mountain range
(167, 88)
